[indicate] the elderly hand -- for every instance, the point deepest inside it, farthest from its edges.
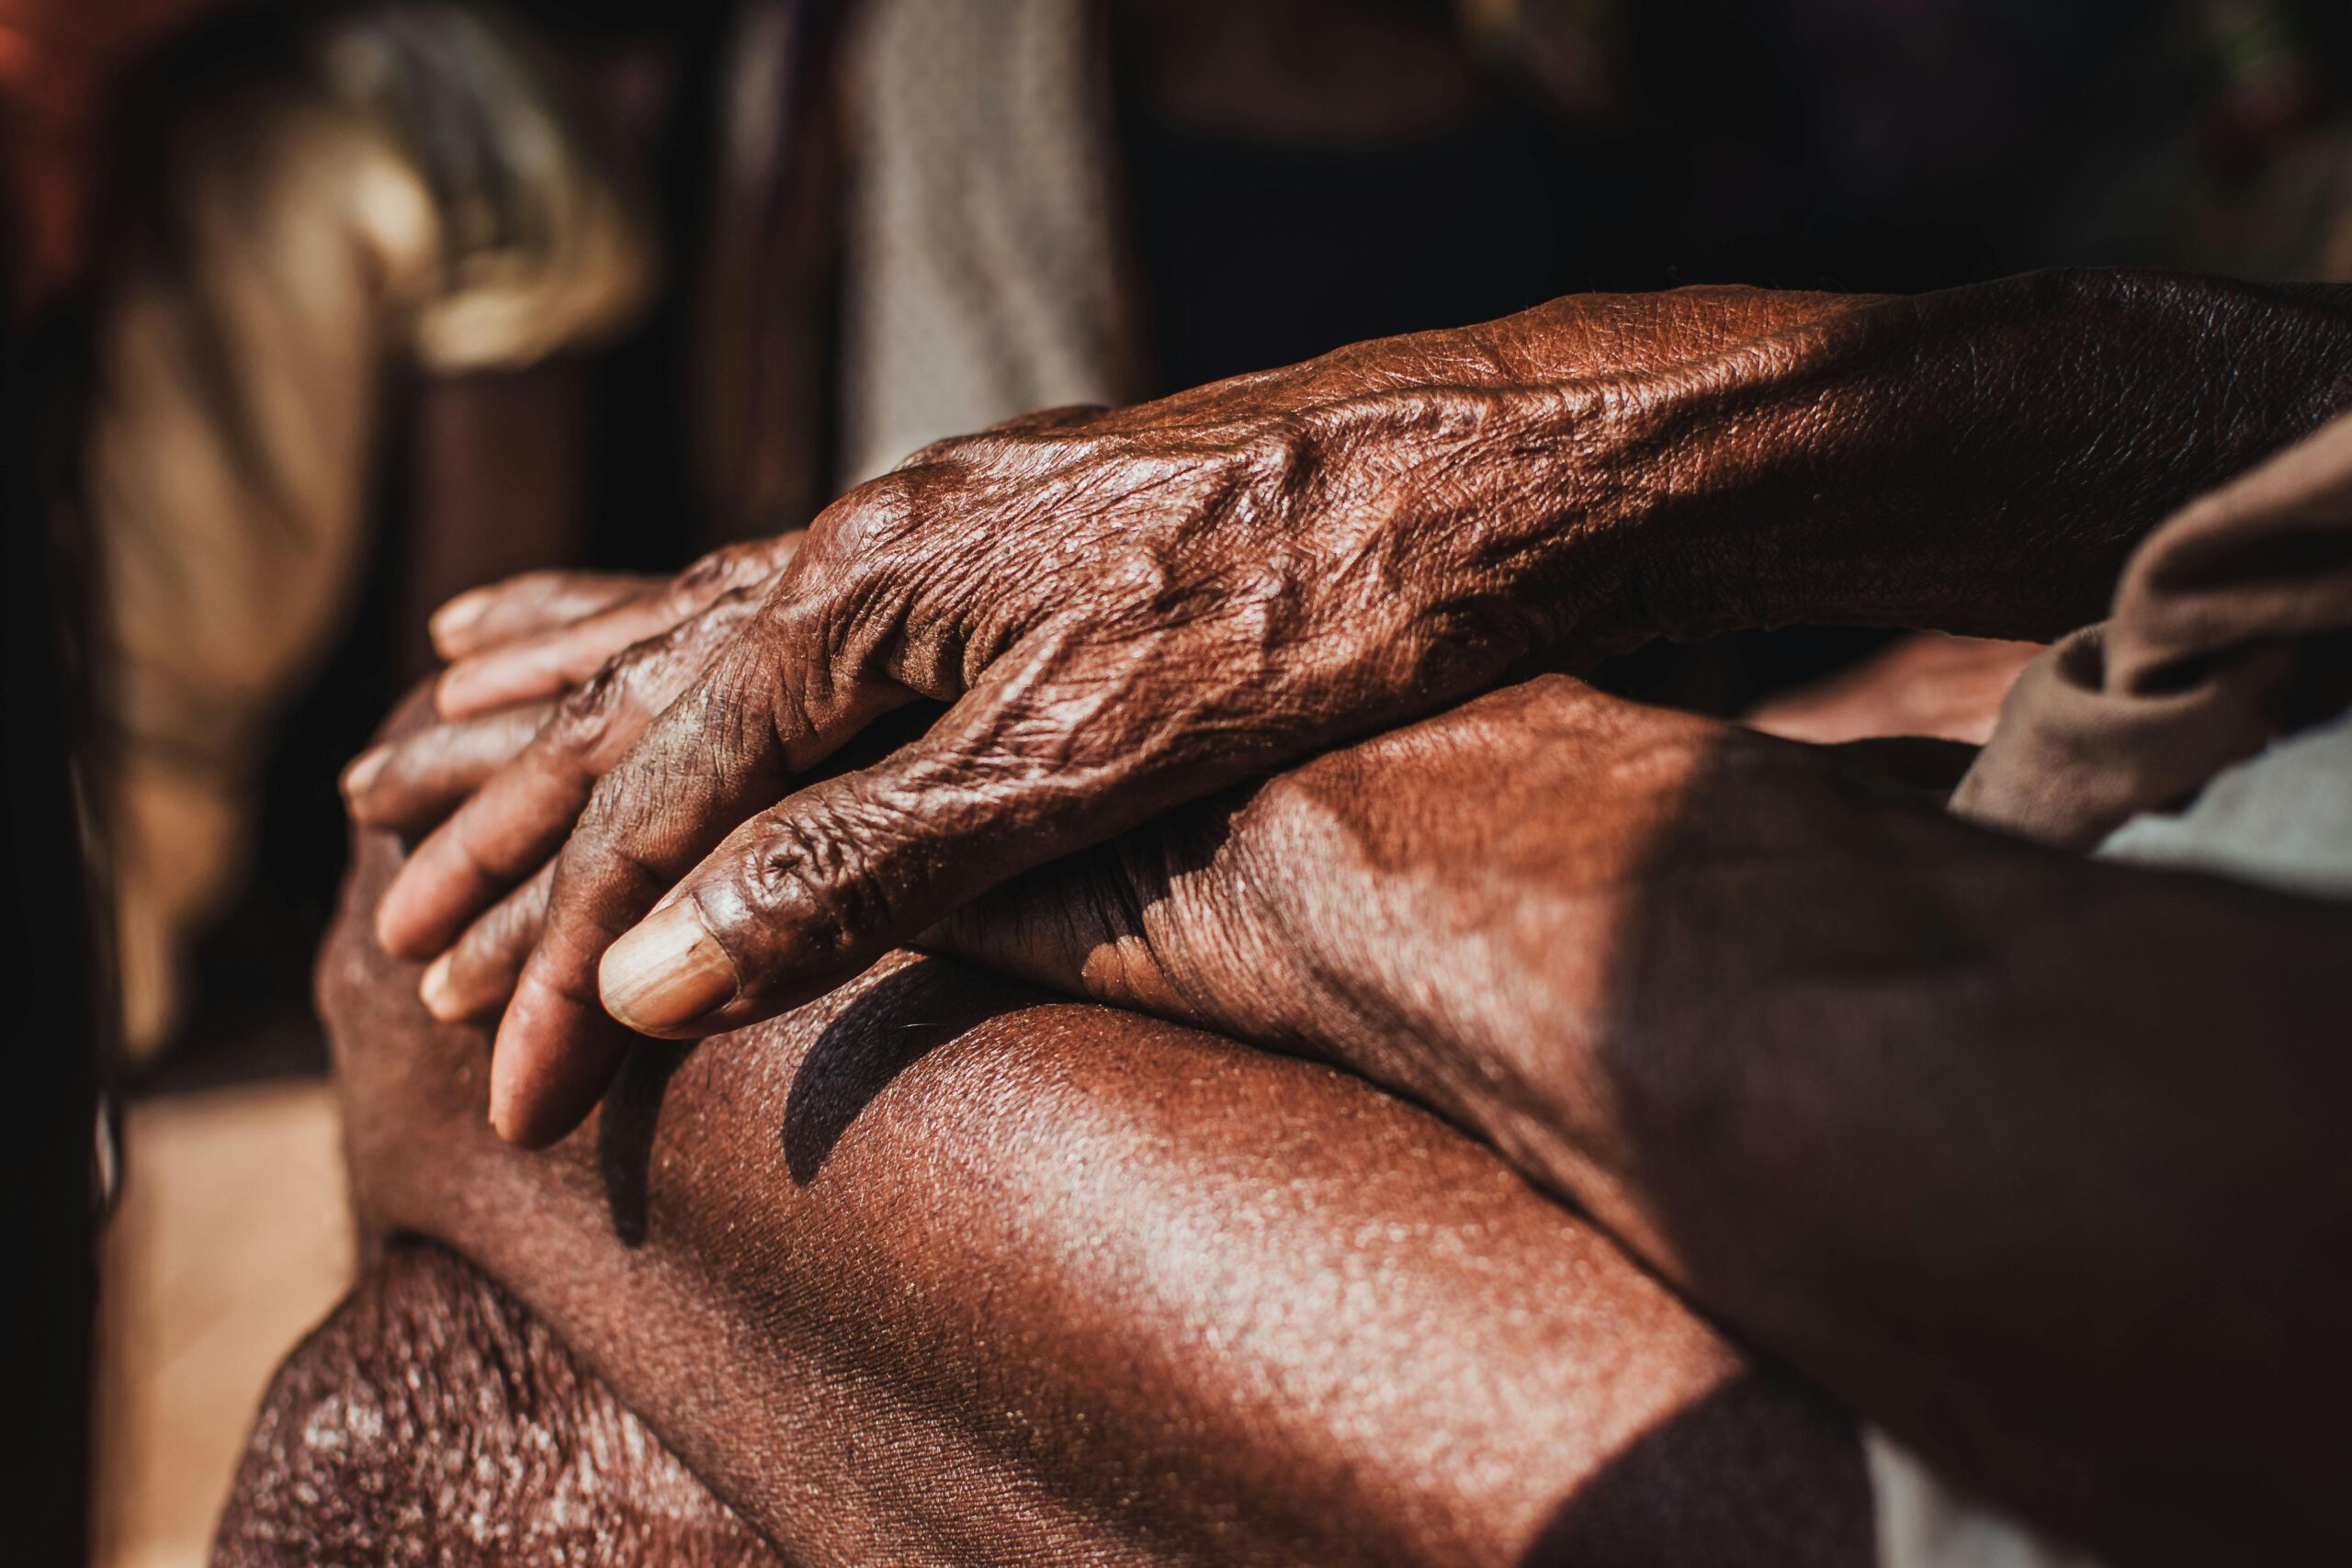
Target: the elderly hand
(541, 634)
(492, 789)
(1125, 610)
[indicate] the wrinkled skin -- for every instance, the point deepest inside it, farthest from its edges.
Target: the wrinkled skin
(1652, 959)
(941, 1269)
(431, 1420)
(1128, 609)
(542, 634)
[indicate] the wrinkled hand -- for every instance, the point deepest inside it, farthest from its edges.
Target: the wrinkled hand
(492, 790)
(1501, 844)
(1125, 610)
(1131, 609)
(1230, 576)
(1498, 844)
(538, 635)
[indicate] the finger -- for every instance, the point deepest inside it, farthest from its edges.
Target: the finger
(411, 784)
(542, 666)
(1074, 925)
(534, 601)
(476, 977)
(808, 893)
(552, 661)
(498, 836)
(518, 818)
(763, 713)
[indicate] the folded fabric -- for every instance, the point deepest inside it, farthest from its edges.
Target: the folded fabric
(2231, 626)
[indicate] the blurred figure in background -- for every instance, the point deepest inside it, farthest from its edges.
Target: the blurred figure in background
(398, 189)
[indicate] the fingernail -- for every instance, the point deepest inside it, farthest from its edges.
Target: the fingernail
(510, 1084)
(667, 971)
(433, 987)
(456, 617)
(363, 771)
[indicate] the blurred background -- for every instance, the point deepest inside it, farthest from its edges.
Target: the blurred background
(318, 314)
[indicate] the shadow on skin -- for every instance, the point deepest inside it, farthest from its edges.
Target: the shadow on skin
(856, 1057)
(625, 1134)
(1697, 1475)
(871, 1042)
(1341, 1335)
(1881, 1029)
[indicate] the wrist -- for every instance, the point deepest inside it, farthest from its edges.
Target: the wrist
(1539, 459)
(1980, 460)
(1615, 506)
(1437, 910)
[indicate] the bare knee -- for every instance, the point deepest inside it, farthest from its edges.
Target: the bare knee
(432, 1419)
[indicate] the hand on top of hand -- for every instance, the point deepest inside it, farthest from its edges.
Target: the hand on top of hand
(552, 676)
(1123, 609)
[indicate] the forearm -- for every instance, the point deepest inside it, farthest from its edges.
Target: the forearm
(1981, 1138)
(1967, 1131)
(1978, 461)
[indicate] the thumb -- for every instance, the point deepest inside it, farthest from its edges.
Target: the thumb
(1084, 925)
(806, 895)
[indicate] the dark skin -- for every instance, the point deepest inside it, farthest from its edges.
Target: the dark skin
(431, 1419)
(941, 1268)
(1656, 962)
(1653, 960)
(1958, 1126)
(1129, 609)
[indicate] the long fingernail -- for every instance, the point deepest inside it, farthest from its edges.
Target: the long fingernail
(666, 973)
(363, 771)
(433, 987)
(456, 617)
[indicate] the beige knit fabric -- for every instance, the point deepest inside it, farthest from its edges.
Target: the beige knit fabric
(984, 262)
(316, 228)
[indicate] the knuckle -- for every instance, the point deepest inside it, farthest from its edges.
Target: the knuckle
(1281, 444)
(725, 569)
(587, 712)
(1024, 441)
(820, 869)
(873, 518)
(708, 573)
(698, 638)
(948, 451)
(726, 710)
(816, 642)
(1061, 418)
(1271, 465)
(607, 821)
(643, 666)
